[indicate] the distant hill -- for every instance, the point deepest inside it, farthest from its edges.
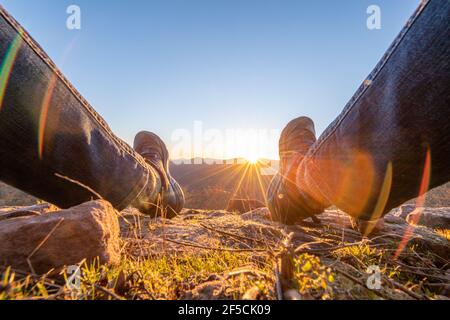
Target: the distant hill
(211, 186)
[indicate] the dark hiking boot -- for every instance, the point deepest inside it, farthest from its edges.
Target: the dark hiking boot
(283, 195)
(155, 153)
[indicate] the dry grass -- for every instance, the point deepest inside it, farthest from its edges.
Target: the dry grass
(444, 233)
(219, 255)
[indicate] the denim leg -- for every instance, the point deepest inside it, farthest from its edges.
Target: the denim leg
(53, 144)
(393, 138)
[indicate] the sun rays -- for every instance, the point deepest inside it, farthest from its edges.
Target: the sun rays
(251, 176)
(252, 158)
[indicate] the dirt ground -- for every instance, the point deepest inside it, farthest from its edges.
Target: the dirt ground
(326, 260)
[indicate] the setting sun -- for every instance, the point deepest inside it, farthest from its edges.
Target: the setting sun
(252, 158)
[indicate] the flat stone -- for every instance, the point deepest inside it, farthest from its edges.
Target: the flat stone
(40, 243)
(435, 218)
(35, 210)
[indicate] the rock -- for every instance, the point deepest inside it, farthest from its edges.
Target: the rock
(404, 210)
(390, 218)
(41, 243)
(213, 290)
(16, 212)
(430, 217)
(397, 229)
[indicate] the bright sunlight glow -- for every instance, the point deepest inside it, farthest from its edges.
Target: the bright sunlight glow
(252, 158)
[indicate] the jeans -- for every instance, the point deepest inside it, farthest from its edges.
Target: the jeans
(372, 158)
(53, 144)
(391, 142)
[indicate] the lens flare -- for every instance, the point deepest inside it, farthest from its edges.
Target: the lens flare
(424, 185)
(350, 181)
(44, 113)
(382, 198)
(7, 66)
(45, 105)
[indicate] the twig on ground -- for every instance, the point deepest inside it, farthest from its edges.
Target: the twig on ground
(304, 247)
(108, 292)
(233, 235)
(278, 287)
(36, 277)
(80, 184)
(361, 283)
(406, 290)
(300, 249)
(215, 249)
(42, 243)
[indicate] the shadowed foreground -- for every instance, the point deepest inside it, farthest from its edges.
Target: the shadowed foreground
(222, 255)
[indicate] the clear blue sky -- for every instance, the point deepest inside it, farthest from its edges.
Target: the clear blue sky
(162, 64)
